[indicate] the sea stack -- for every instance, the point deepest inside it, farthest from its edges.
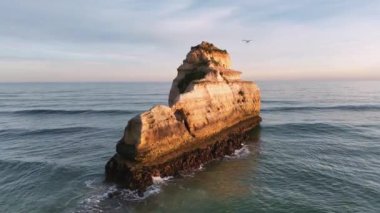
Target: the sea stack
(209, 115)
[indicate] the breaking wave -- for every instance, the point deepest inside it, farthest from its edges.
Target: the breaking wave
(105, 193)
(239, 153)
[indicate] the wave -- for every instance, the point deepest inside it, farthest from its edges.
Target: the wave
(305, 128)
(27, 132)
(71, 112)
(21, 165)
(97, 202)
(24, 164)
(243, 152)
(29, 171)
(321, 108)
(319, 129)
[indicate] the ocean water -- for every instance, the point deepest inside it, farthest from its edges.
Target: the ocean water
(317, 150)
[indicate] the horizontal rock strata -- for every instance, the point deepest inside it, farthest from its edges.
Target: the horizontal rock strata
(210, 110)
(134, 175)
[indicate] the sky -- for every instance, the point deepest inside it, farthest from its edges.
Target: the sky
(118, 40)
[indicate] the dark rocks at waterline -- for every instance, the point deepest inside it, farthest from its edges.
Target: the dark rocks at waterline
(134, 176)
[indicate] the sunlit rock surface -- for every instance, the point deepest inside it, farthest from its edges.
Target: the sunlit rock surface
(210, 108)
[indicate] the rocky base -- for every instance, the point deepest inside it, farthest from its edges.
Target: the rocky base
(138, 176)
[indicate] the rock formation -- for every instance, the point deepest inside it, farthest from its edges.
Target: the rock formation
(210, 111)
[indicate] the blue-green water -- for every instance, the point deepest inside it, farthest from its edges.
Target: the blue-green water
(318, 150)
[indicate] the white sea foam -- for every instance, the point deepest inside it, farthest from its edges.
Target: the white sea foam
(191, 173)
(160, 180)
(239, 153)
(104, 192)
(91, 204)
(90, 184)
(201, 168)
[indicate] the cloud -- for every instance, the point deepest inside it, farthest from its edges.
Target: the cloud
(83, 40)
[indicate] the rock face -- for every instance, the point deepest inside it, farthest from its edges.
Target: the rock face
(210, 110)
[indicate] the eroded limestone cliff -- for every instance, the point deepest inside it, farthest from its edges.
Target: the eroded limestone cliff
(208, 104)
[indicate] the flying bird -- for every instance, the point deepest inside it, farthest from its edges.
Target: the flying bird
(246, 41)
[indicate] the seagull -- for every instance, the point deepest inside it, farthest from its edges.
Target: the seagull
(246, 41)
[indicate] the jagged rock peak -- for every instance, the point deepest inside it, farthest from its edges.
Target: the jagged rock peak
(208, 47)
(204, 62)
(205, 54)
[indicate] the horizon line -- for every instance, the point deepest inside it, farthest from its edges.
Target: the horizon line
(267, 80)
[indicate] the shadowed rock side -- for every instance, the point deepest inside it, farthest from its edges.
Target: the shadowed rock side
(210, 110)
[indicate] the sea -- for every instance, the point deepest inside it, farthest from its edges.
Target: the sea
(316, 150)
